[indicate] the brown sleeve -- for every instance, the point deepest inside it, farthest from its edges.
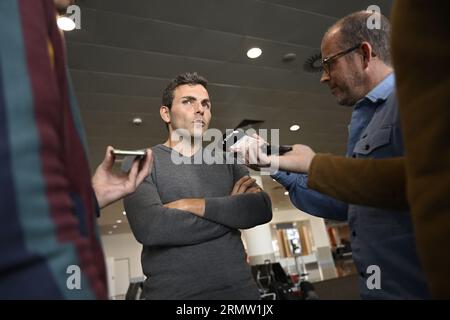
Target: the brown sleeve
(420, 51)
(371, 182)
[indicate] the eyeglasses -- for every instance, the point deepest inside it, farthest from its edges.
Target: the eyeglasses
(326, 62)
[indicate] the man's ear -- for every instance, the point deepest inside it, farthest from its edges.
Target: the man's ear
(367, 53)
(165, 114)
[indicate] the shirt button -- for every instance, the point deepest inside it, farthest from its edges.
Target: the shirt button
(366, 147)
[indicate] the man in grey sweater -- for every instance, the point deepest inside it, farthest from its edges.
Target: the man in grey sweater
(188, 216)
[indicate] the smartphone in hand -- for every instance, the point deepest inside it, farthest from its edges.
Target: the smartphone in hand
(237, 137)
(118, 152)
(128, 157)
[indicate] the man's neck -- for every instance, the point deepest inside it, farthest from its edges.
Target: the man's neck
(379, 74)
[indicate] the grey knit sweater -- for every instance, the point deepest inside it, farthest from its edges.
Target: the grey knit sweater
(185, 256)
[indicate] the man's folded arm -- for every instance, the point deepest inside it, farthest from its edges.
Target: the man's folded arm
(153, 224)
(240, 211)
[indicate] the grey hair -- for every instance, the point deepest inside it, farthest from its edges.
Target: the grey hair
(353, 29)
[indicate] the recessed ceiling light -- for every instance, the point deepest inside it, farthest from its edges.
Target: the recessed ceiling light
(274, 180)
(286, 193)
(119, 221)
(109, 232)
(65, 23)
(294, 127)
(137, 121)
(124, 213)
(114, 226)
(254, 53)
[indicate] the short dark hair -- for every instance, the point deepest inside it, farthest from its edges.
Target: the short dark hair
(353, 30)
(190, 78)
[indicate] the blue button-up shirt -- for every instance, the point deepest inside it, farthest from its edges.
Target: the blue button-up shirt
(384, 238)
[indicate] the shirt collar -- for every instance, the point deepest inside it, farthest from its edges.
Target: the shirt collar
(383, 89)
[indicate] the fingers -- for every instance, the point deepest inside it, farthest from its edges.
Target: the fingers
(109, 159)
(252, 152)
(254, 189)
(252, 155)
(243, 184)
(238, 184)
(146, 167)
(261, 141)
(132, 176)
(140, 169)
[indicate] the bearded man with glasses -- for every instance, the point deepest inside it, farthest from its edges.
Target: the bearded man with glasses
(357, 68)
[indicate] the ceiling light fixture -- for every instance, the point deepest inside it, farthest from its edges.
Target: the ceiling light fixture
(119, 221)
(114, 226)
(254, 53)
(294, 127)
(65, 23)
(109, 232)
(286, 193)
(124, 213)
(137, 121)
(289, 57)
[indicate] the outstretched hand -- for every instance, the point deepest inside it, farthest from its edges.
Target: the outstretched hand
(110, 187)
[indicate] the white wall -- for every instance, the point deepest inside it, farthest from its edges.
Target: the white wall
(318, 229)
(124, 245)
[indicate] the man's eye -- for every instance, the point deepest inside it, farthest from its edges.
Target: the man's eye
(186, 101)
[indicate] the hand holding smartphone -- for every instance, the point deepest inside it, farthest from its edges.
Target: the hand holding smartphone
(238, 137)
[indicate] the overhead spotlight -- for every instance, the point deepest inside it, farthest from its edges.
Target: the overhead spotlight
(254, 53)
(119, 221)
(124, 213)
(114, 226)
(109, 232)
(65, 23)
(137, 121)
(294, 127)
(286, 193)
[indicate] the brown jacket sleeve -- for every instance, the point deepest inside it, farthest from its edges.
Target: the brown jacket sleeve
(371, 182)
(421, 51)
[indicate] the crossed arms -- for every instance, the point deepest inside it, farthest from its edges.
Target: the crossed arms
(193, 221)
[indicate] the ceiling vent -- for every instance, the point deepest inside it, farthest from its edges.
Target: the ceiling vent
(313, 64)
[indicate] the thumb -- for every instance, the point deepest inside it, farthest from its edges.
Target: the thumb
(109, 159)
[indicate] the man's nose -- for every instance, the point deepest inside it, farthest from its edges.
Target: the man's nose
(325, 77)
(198, 108)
